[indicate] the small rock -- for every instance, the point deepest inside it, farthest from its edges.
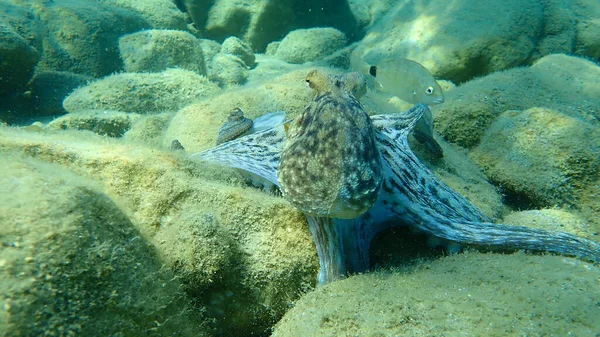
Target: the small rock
(228, 70)
(272, 48)
(176, 146)
(210, 48)
(236, 47)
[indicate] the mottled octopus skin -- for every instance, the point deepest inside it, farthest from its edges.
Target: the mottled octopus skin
(410, 195)
(330, 165)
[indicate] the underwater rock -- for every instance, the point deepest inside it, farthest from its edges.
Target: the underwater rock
(19, 16)
(148, 129)
(236, 47)
(210, 49)
(104, 123)
(157, 50)
(541, 158)
(162, 14)
(244, 255)
(228, 70)
(260, 22)
(143, 93)
(552, 219)
(82, 37)
(72, 263)
(18, 61)
(461, 295)
(563, 83)
(272, 48)
(49, 89)
(587, 42)
(269, 67)
(306, 45)
(467, 40)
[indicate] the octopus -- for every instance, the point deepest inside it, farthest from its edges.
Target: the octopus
(354, 176)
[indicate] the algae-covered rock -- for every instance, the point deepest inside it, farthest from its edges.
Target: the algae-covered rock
(19, 16)
(49, 89)
(564, 83)
(143, 93)
(72, 263)
(82, 37)
(148, 129)
(587, 42)
(260, 22)
(18, 60)
(157, 50)
(210, 49)
(462, 295)
(306, 45)
(162, 14)
(541, 157)
(470, 40)
(236, 47)
(228, 70)
(467, 40)
(241, 253)
(104, 123)
(553, 219)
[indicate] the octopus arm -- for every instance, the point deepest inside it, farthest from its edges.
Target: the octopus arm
(257, 153)
(414, 196)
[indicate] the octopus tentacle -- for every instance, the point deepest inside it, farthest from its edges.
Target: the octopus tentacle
(258, 153)
(426, 203)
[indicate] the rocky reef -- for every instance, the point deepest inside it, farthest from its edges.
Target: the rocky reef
(106, 229)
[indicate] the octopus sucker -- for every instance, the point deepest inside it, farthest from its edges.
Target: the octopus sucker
(401, 190)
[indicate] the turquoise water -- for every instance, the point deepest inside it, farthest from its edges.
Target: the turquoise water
(121, 216)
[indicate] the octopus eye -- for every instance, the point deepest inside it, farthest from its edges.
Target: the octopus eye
(429, 90)
(308, 82)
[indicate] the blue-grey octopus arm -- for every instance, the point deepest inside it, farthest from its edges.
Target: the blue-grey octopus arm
(257, 153)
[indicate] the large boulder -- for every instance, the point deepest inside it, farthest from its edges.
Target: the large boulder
(563, 83)
(144, 93)
(72, 262)
(542, 158)
(462, 295)
(261, 22)
(157, 50)
(307, 45)
(245, 255)
(82, 37)
(472, 39)
(18, 60)
(161, 14)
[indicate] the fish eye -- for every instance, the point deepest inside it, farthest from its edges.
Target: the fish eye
(429, 90)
